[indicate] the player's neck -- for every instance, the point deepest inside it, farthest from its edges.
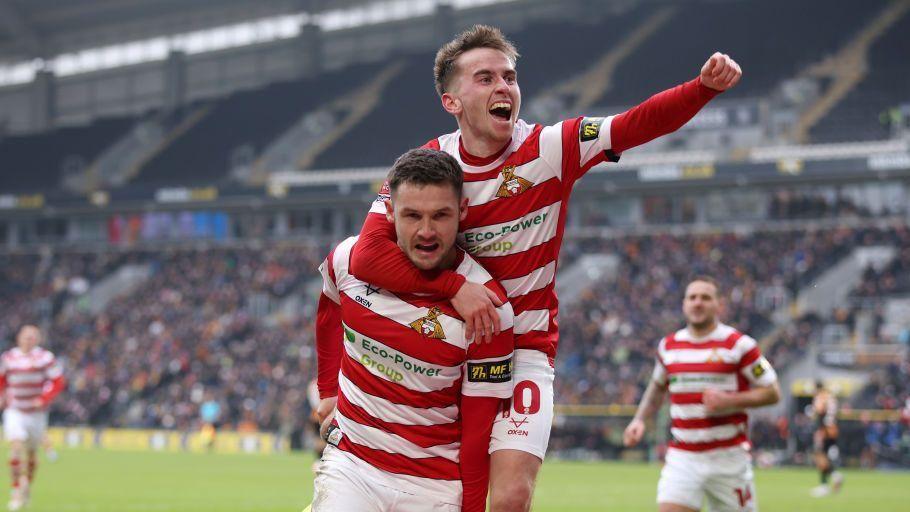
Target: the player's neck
(702, 331)
(480, 150)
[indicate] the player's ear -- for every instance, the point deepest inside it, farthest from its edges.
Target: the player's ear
(389, 211)
(463, 209)
(451, 104)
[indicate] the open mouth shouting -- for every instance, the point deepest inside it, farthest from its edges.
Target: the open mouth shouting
(426, 249)
(501, 111)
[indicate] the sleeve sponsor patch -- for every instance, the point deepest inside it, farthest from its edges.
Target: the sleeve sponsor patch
(384, 193)
(761, 368)
(490, 371)
(590, 128)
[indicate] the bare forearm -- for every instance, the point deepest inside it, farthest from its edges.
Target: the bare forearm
(651, 401)
(757, 397)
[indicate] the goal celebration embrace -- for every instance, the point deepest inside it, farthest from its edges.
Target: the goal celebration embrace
(455, 255)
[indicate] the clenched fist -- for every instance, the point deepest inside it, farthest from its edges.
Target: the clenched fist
(720, 72)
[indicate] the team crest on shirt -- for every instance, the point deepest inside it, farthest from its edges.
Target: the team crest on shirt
(512, 185)
(714, 357)
(429, 326)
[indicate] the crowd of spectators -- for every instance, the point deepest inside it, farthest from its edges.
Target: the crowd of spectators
(892, 279)
(209, 326)
(198, 329)
(609, 335)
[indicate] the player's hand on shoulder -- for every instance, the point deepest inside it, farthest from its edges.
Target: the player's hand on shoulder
(477, 306)
(633, 433)
(720, 72)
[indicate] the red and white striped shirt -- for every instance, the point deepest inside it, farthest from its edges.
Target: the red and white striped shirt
(31, 379)
(725, 360)
(517, 213)
(518, 201)
(404, 367)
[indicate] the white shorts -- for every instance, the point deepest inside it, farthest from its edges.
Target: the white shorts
(722, 476)
(345, 483)
(24, 426)
(525, 424)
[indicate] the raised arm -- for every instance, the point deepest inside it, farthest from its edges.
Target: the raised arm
(669, 110)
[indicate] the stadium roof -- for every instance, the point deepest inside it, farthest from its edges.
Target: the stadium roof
(44, 28)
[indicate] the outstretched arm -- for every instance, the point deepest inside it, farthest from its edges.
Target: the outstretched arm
(669, 110)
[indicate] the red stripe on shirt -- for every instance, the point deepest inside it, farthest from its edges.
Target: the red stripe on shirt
(424, 436)
(710, 445)
(436, 468)
(718, 367)
(506, 209)
(520, 264)
(715, 421)
(537, 299)
(685, 398)
(749, 357)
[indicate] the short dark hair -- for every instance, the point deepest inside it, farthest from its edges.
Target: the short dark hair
(478, 36)
(706, 279)
(426, 167)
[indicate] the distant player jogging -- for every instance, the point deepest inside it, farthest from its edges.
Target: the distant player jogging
(712, 373)
(824, 441)
(30, 379)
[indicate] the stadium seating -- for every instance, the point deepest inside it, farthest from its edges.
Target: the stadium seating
(783, 28)
(36, 163)
(886, 86)
(202, 154)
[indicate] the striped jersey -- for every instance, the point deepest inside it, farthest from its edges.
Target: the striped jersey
(517, 212)
(28, 375)
(725, 359)
(406, 363)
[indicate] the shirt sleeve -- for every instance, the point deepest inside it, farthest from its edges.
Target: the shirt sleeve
(573, 146)
(588, 141)
(329, 333)
(54, 369)
(488, 366)
(753, 365)
(659, 375)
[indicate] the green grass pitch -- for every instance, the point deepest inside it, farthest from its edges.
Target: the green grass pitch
(107, 481)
